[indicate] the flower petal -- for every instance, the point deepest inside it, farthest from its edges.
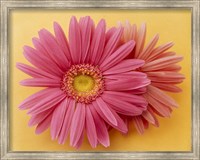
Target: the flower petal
(67, 122)
(54, 50)
(48, 102)
(103, 109)
(98, 42)
(125, 66)
(40, 82)
(86, 28)
(90, 128)
(75, 40)
(101, 129)
(35, 72)
(138, 123)
(37, 97)
(58, 118)
(77, 125)
(117, 56)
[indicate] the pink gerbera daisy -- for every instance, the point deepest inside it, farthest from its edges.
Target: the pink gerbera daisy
(88, 82)
(161, 68)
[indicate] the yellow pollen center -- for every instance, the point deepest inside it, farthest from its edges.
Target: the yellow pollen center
(83, 83)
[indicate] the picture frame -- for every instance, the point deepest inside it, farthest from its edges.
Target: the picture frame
(8, 5)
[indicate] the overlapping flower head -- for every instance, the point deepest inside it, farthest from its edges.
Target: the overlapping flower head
(90, 83)
(161, 68)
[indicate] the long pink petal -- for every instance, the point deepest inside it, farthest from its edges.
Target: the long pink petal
(161, 63)
(58, 118)
(134, 99)
(37, 97)
(54, 50)
(40, 82)
(40, 48)
(98, 42)
(62, 40)
(125, 66)
(127, 84)
(159, 50)
(112, 43)
(80, 141)
(101, 129)
(90, 128)
(167, 87)
(138, 123)
(123, 107)
(149, 48)
(67, 122)
(162, 109)
(141, 35)
(148, 116)
(35, 72)
(38, 118)
(48, 102)
(161, 96)
(38, 60)
(87, 25)
(41, 127)
(75, 40)
(103, 109)
(78, 123)
(117, 56)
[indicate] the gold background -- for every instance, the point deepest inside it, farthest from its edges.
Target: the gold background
(174, 134)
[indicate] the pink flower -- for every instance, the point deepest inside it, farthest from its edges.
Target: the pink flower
(161, 68)
(88, 80)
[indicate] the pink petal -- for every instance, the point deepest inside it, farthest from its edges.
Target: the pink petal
(38, 118)
(67, 122)
(117, 56)
(167, 87)
(40, 82)
(149, 48)
(159, 50)
(138, 123)
(110, 33)
(35, 72)
(37, 97)
(77, 125)
(48, 102)
(90, 128)
(58, 118)
(148, 116)
(87, 25)
(38, 60)
(75, 40)
(162, 55)
(40, 48)
(125, 66)
(41, 127)
(127, 84)
(101, 129)
(98, 42)
(111, 44)
(161, 96)
(78, 144)
(159, 107)
(62, 40)
(161, 63)
(141, 35)
(134, 99)
(123, 107)
(54, 50)
(103, 109)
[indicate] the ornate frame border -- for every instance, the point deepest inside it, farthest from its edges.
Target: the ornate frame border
(8, 5)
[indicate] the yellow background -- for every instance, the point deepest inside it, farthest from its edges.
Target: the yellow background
(174, 134)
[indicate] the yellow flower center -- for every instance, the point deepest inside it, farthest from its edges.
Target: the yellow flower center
(83, 82)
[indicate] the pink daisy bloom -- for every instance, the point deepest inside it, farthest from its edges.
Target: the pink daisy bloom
(161, 68)
(87, 80)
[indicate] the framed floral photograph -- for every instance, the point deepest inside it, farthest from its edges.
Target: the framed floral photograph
(100, 79)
